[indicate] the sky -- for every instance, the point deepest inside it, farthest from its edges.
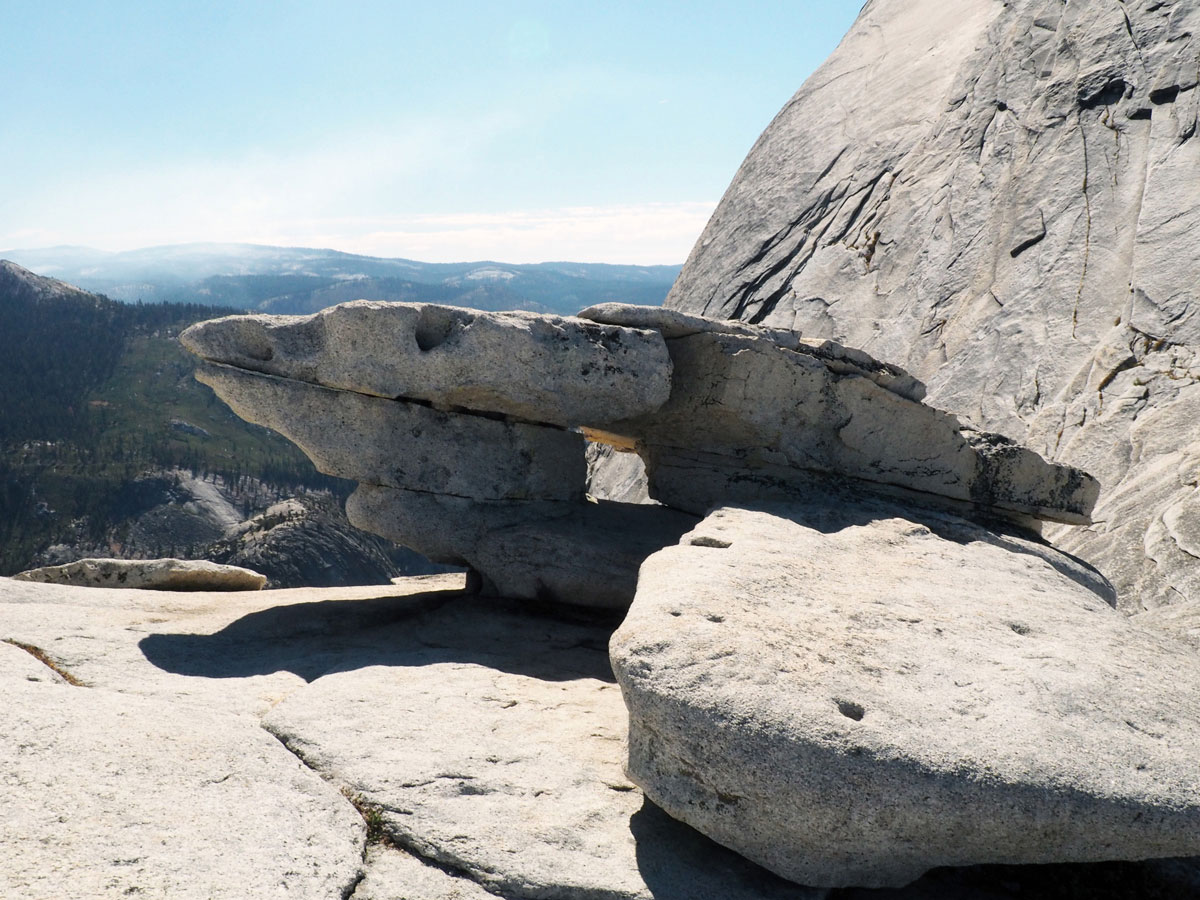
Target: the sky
(520, 131)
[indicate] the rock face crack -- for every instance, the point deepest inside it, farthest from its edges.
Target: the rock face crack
(349, 888)
(376, 830)
(41, 656)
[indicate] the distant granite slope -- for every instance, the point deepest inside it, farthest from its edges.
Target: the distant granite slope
(1004, 199)
(19, 285)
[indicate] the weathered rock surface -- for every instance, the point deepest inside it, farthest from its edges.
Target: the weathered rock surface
(616, 475)
(1001, 198)
(455, 358)
(580, 554)
(761, 403)
(159, 777)
(674, 324)
(139, 782)
(393, 874)
(406, 445)
(151, 574)
(502, 759)
(852, 694)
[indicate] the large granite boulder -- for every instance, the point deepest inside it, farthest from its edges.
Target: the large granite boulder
(1001, 198)
(852, 693)
(408, 445)
(769, 404)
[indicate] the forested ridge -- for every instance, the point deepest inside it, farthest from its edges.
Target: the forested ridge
(99, 394)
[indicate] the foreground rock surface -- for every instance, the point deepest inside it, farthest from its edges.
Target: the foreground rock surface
(851, 694)
(149, 574)
(507, 732)
(502, 759)
(1009, 213)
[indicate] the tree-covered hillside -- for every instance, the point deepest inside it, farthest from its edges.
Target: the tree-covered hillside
(99, 393)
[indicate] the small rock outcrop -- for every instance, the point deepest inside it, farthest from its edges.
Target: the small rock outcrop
(149, 574)
(305, 541)
(484, 467)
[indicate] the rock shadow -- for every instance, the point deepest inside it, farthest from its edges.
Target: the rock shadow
(1164, 879)
(667, 850)
(670, 854)
(320, 638)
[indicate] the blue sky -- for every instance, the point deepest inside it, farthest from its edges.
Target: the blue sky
(514, 131)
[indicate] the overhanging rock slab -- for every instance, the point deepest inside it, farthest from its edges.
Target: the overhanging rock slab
(552, 369)
(408, 445)
(580, 554)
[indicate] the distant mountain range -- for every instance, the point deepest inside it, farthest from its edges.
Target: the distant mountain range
(300, 280)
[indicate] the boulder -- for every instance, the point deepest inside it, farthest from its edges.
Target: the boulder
(548, 369)
(407, 445)
(743, 411)
(151, 574)
(756, 403)
(999, 197)
(852, 692)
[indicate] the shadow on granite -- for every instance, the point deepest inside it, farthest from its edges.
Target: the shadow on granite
(315, 639)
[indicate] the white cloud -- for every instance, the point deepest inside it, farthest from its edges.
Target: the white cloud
(641, 234)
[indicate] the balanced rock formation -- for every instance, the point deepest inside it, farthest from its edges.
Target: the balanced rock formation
(478, 465)
(150, 574)
(456, 425)
(851, 692)
(1002, 199)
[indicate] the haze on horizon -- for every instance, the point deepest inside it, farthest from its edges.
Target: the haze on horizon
(520, 132)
